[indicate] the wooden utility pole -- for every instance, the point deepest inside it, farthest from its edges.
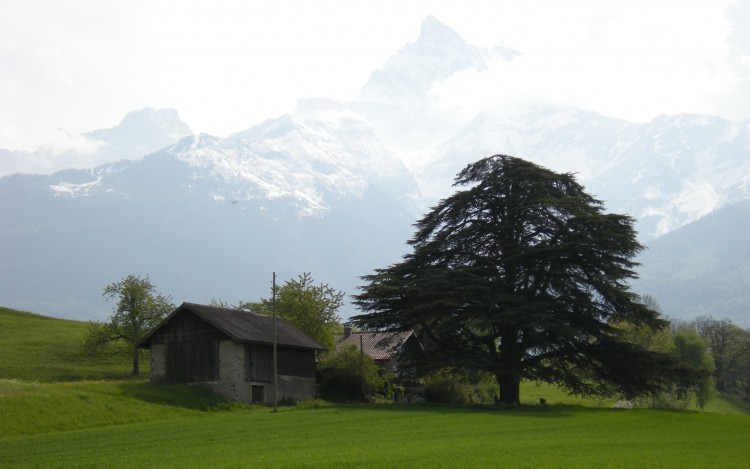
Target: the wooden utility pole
(275, 369)
(362, 365)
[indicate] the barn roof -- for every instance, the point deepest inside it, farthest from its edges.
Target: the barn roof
(377, 345)
(243, 326)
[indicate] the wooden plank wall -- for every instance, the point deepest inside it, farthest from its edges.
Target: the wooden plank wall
(291, 362)
(191, 349)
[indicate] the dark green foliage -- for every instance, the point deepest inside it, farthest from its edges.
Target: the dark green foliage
(349, 376)
(689, 352)
(139, 309)
(690, 349)
(519, 275)
(447, 387)
(455, 386)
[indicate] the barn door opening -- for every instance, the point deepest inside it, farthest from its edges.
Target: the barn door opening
(192, 362)
(258, 394)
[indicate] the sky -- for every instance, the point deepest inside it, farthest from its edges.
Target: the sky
(225, 66)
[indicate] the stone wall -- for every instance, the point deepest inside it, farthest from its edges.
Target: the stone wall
(231, 384)
(293, 388)
(158, 362)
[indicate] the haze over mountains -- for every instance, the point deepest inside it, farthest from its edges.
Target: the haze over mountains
(334, 188)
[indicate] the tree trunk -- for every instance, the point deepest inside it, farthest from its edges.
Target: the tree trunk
(510, 383)
(509, 374)
(135, 362)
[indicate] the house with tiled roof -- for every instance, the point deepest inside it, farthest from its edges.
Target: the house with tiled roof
(230, 351)
(383, 347)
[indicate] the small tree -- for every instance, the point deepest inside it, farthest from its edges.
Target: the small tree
(349, 375)
(313, 308)
(690, 349)
(139, 308)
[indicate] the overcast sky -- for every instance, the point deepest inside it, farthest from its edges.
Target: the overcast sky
(227, 65)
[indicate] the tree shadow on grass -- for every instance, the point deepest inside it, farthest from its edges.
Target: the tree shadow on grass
(736, 403)
(177, 395)
(545, 411)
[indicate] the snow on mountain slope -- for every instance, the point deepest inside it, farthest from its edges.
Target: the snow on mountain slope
(206, 218)
(675, 170)
(665, 173)
(315, 162)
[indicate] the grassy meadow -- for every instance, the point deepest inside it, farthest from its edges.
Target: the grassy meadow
(44, 349)
(399, 436)
(61, 409)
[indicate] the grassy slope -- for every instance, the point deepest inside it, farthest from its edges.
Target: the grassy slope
(45, 381)
(404, 436)
(32, 408)
(44, 349)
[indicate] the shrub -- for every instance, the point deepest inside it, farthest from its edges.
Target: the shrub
(447, 387)
(348, 376)
(452, 386)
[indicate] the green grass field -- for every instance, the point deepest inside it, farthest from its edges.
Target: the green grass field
(49, 419)
(400, 436)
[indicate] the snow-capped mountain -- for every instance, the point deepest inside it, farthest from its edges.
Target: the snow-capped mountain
(665, 173)
(703, 267)
(438, 53)
(139, 133)
(311, 164)
(331, 189)
(398, 101)
(208, 217)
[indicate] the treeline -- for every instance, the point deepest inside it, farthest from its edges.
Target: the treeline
(728, 346)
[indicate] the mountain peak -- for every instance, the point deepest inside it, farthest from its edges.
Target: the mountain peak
(165, 120)
(161, 127)
(438, 53)
(435, 33)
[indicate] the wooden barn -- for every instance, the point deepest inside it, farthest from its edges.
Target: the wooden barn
(231, 352)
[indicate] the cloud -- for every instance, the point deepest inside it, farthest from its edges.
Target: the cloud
(738, 15)
(63, 143)
(227, 65)
(613, 60)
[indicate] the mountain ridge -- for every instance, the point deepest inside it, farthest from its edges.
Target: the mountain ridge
(332, 188)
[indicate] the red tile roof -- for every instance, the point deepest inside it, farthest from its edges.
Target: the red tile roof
(377, 345)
